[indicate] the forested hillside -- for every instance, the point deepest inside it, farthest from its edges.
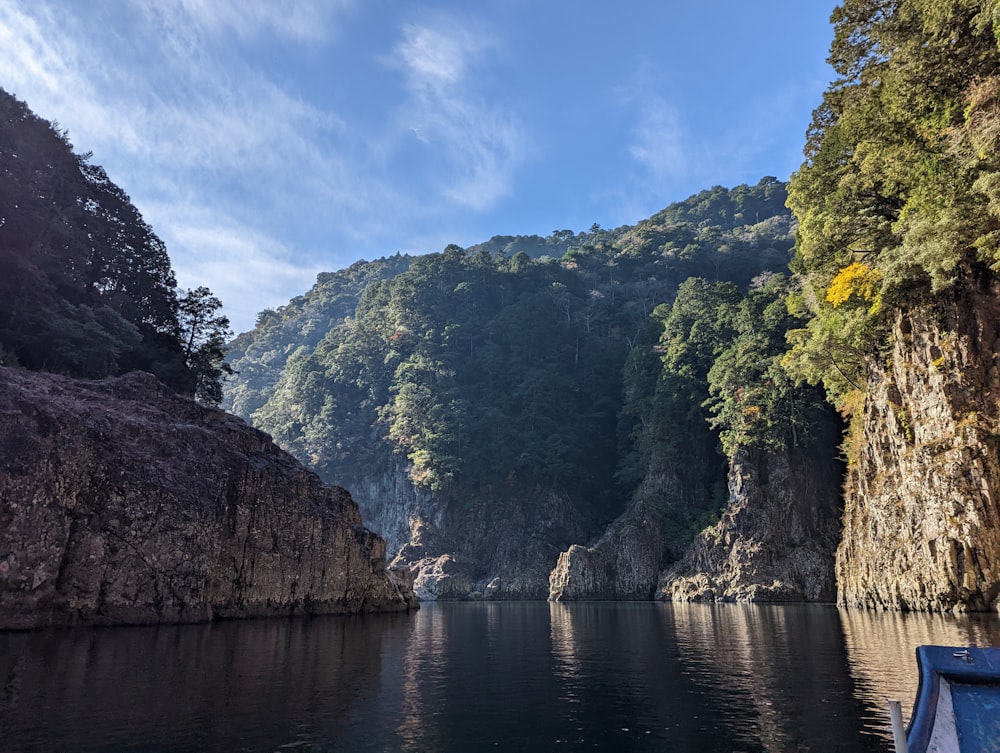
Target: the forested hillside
(495, 379)
(604, 398)
(86, 286)
(898, 257)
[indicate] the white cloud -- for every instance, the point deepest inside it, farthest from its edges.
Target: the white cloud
(179, 130)
(41, 63)
(298, 20)
(436, 58)
(248, 270)
(658, 140)
(483, 144)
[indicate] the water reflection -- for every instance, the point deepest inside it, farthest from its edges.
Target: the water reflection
(778, 672)
(424, 664)
(470, 677)
(191, 688)
(880, 649)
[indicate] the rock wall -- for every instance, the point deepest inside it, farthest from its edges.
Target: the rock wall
(500, 547)
(776, 539)
(922, 511)
(391, 505)
(121, 502)
(625, 561)
(494, 544)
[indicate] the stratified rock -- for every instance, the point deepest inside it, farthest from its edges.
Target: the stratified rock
(121, 502)
(776, 539)
(922, 510)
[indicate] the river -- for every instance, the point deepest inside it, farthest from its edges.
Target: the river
(461, 677)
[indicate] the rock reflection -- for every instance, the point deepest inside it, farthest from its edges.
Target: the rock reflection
(423, 664)
(781, 666)
(881, 648)
(255, 685)
(488, 676)
(567, 664)
(563, 641)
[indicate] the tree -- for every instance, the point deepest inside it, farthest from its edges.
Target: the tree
(899, 197)
(754, 401)
(203, 334)
(86, 287)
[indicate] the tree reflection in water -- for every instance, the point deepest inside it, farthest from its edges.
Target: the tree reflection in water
(527, 676)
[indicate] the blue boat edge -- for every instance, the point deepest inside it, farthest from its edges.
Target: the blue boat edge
(955, 664)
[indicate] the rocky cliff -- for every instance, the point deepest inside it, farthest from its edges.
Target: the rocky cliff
(494, 548)
(121, 502)
(922, 511)
(775, 540)
(625, 561)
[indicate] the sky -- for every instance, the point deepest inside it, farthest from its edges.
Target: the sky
(266, 141)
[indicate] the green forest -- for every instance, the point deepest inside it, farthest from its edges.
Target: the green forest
(899, 197)
(574, 363)
(580, 362)
(86, 286)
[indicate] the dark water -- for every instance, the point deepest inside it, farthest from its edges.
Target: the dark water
(478, 677)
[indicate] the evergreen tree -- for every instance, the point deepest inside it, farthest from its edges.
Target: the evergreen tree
(898, 198)
(86, 286)
(204, 332)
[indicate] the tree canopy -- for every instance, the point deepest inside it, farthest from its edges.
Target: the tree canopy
(501, 368)
(86, 286)
(899, 197)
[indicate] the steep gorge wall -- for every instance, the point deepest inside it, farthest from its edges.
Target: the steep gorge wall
(391, 505)
(497, 547)
(922, 511)
(776, 539)
(624, 562)
(497, 543)
(121, 502)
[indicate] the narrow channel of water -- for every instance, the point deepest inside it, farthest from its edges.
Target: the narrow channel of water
(478, 677)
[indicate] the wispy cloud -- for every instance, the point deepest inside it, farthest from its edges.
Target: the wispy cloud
(298, 20)
(482, 143)
(268, 269)
(148, 90)
(440, 58)
(658, 141)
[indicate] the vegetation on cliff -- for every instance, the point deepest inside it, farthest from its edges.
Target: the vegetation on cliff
(86, 287)
(586, 366)
(898, 257)
(899, 197)
(491, 373)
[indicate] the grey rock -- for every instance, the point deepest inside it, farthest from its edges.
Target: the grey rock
(775, 540)
(121, 502)
(921, 518)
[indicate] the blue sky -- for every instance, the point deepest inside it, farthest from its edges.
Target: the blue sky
(268, 140)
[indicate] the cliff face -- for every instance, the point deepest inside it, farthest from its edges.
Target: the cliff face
(496, 548)
(775, 540)
(922, 513)
(392, 506)
(123, 503)
(625, 561)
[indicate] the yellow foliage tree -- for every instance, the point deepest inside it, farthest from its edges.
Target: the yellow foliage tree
(855, 279)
